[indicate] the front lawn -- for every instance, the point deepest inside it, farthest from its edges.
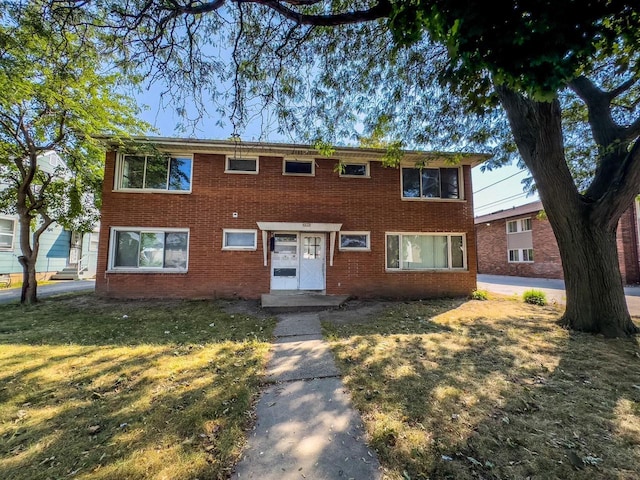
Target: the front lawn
(105, 389)
(455, 389)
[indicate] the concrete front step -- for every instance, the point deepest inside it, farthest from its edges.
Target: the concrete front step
(302, 302)
(66, 274)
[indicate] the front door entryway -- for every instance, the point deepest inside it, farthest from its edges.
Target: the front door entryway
(298, 261)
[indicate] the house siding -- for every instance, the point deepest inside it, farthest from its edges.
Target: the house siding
(492, 248)
(360, 204)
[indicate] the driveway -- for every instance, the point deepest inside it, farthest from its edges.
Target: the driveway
(553, 288)
(63, 286)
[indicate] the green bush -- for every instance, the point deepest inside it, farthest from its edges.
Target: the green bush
(535, 297)
(479, 295)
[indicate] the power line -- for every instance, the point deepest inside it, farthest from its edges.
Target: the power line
(499, 181)
(502, 200)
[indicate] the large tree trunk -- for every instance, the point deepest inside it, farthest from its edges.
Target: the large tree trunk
(29, 292)
(586, 238)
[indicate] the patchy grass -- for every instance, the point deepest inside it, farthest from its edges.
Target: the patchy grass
(456, 389)
(99, 389)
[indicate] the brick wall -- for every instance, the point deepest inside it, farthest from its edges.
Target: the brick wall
(492, 249)
(360, 204)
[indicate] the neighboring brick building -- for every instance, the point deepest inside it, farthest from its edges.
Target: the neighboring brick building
(520, 242)
(219, 219)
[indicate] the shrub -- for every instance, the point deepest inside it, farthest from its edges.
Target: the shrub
(535, 297)
(479, 295)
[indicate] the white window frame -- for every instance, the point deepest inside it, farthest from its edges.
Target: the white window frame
(252, 248)
(431, 234)
(460, 198)
(520, 255)
(241, 172)
(519, 226)
(119, 172)
(13, 234)
(312, 161)
(141, 230)
(367, 165)
(354, 249)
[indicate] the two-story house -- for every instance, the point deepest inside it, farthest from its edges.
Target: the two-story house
(224, 219)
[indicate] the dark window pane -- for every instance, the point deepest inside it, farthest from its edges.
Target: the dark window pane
(431, 182)
(180, 174)
(353, 241)
(355, 169)
(156, 173)
(242, 165)
(457, 252)
(132, 172)
(298, 167)
(176, 248)
(127, 246)
(449, 182)
(410, 182)
(393, 251)
(284, 272)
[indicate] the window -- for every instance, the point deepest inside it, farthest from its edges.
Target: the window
(149, 249)
(298, 167)
(517, 226)
(148, 172)
(241, 165)
(425, 251)
(430, 183)
(7, 233)
(521, 255)
(239, 239)
(355, 169)
(355, 241)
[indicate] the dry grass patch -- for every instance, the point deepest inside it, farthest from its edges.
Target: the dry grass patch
(455, 389)
(100, 389)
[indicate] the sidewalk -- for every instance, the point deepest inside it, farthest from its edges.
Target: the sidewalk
(554, 289)
(306, 426)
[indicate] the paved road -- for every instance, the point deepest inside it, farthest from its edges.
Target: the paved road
(553, 288)
(64, 286)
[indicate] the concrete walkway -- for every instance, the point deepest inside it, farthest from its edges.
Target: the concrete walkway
(306, 426)
(57, 288)
(554, 289)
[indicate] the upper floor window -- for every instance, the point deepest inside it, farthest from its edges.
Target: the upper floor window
(298, 167)
(241, 165)
(430, 183)
(355, 169)
(7, 233)
(149, 249)
(154, 172)
(520, 225)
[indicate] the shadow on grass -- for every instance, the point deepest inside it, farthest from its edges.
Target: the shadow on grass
(86, 392)
(492, 390)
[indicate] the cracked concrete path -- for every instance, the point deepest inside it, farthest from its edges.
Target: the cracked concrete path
(306, 426)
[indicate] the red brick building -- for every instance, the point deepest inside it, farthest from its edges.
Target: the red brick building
(520, 242)
(219, 219)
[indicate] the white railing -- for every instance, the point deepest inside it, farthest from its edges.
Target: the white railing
(83, 264)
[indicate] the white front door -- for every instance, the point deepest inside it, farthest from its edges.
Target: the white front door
(284, 261)
(312, 261)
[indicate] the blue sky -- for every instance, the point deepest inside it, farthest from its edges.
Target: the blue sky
(500, 189)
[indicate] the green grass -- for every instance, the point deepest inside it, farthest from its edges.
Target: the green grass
(455, 389)
(104, 389)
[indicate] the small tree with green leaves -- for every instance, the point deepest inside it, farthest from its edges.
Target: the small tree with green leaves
(57, 93)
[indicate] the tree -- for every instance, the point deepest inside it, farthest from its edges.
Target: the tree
(56, 94)
(437, 73)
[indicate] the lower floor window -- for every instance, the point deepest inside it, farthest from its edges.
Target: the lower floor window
(149, 249)
(420, 251)
(521, 255)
